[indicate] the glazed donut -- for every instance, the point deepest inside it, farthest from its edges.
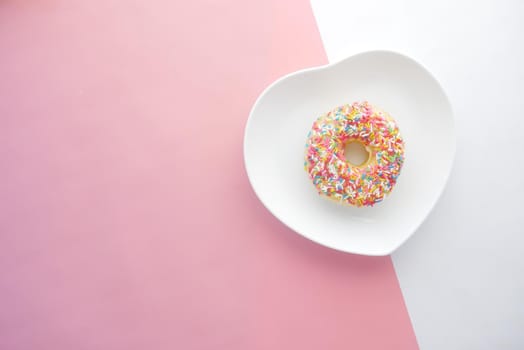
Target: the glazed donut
(340, 180)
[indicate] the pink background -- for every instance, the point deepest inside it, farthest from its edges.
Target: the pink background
(126, 218)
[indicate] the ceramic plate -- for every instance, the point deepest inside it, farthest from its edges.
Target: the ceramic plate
(276, 133)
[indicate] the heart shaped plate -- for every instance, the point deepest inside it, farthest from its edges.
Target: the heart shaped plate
(276, 133)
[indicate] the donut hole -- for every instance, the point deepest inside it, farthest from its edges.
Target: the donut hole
(356, 153)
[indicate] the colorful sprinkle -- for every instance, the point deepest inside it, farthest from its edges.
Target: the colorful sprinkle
(338, 179)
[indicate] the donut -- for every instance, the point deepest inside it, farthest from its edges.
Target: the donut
(338, 179)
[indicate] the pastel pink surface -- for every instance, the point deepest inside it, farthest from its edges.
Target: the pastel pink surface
(127, 220)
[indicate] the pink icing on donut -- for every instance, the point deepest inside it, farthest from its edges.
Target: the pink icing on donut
(333, 175)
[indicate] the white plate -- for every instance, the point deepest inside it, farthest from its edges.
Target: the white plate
(276, 134)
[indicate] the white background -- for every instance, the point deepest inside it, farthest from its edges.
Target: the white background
(462, 273)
